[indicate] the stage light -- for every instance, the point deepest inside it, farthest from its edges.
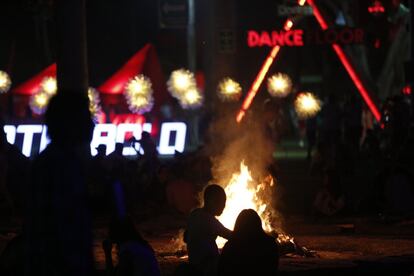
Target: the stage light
(140, 104)
(94, 103)
(138, 93)
(139, 85)
(5, 82)
(191, 99)
(279, 85)
(180, 82)
(38, 102)
(49, 86)
(229, 90)
(307, 105)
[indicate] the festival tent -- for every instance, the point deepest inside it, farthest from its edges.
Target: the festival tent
(145, 62)
(32, 86)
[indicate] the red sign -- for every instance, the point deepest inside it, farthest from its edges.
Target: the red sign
(300, 38)
(273, 38)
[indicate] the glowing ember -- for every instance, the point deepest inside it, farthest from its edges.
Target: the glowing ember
(5, 82)
(279, 85)
(242, 193)
(49, 86)
(307, 105)
(229, 90)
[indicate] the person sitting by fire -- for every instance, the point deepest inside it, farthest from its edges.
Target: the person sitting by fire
(135, 254)
(250, 251)
(203, 229)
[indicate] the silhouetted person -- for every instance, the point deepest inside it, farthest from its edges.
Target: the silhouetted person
(100, 180)
(6, 202)
(249, 251)
(203, 229)
(329, 200)
(150, 156)
(148, 145)
(14, 170)
(58, 225)
(117, 161)
(135, 256)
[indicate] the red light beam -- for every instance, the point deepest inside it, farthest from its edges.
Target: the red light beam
(262, 73)
(348, 66)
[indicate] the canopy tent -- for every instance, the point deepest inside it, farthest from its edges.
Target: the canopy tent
(145, 62)
(32, 86)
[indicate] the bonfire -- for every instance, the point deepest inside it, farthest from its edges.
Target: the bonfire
(243, 192)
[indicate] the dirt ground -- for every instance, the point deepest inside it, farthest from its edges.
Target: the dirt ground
(359, 246)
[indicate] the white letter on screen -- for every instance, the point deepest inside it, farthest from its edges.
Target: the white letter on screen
(108, 140)
(10, 133)
(44, 141)
(179, 143)
(28, 132)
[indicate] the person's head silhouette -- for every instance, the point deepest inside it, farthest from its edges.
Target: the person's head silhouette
(119, 147)
(68, 119)
(214, 199)
(101, 149)
(248, 224)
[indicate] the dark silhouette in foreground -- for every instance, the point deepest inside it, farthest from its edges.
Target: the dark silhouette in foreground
(249, 251)
(57, 224)
(135, 255)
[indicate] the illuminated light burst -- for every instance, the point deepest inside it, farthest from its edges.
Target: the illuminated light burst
(138, 93)
(49, 86)
(229, 90)
(242, 193)
(140, 104)
(94, 103)
(191, 99)
(5, 82)
(38, 102)
(307, 105)
(279, 85)
(180, 82)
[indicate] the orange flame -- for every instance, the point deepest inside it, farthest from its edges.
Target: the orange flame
(242, 193)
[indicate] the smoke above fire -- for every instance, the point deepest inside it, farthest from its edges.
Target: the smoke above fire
(232, 144)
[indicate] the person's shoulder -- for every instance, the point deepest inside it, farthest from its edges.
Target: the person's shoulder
(196, 213)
